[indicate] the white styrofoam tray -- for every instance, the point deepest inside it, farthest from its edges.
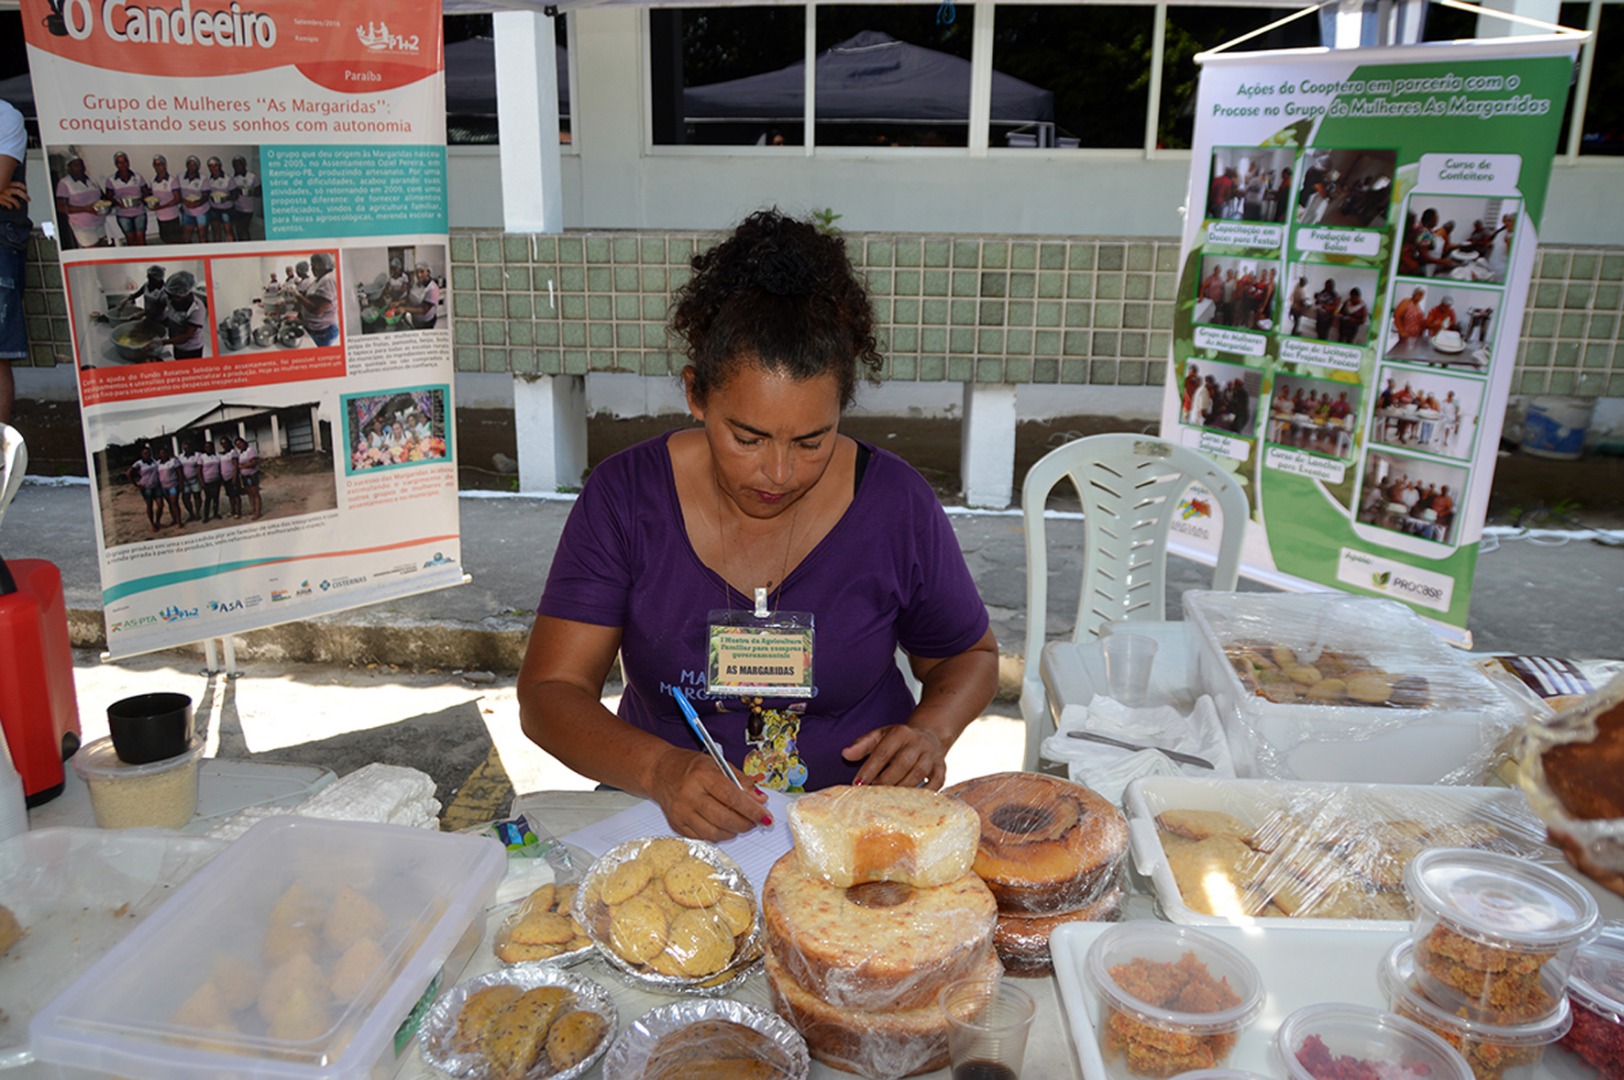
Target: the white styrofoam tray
(1252, 801)
(1303, 967)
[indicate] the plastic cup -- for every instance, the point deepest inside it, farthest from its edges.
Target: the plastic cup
(1128, 662)
(987, 1024)
(150, 727)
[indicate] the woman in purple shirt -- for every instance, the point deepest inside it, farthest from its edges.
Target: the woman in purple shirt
(765, 496)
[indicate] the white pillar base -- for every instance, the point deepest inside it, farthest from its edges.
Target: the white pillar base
(987, 450)
(549, 415)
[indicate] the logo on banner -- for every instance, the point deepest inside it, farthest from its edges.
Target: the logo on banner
(278, 595)
(221, 607)
(175, 613)
(1193, 507)
(1398, 580)
(228, 27)
(132, 624)
(438, 560)
(377, 38)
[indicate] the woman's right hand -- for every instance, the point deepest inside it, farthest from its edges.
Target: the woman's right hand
(700, 802)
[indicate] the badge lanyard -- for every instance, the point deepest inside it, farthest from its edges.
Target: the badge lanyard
(763, 652)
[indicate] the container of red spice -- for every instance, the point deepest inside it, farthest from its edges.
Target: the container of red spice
(1355, 1042)
(1596, 992)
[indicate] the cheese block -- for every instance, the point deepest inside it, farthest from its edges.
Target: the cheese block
(852, 835)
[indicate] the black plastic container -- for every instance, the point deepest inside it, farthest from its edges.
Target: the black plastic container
(150, 727)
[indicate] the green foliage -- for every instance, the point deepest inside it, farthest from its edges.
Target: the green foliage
(824, 221)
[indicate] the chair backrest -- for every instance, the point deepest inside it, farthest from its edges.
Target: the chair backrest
(13, 463)
(1130, 487)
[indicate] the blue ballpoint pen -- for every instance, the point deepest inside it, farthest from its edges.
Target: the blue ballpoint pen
(704, 736)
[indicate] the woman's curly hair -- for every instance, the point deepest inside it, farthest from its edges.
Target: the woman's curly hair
(779, 293)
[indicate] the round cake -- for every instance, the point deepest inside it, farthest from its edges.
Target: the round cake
(1022, 941)
(1047, 845)
(876, 1044)
(880, 945)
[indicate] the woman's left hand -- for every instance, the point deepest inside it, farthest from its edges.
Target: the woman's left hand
(899, 756)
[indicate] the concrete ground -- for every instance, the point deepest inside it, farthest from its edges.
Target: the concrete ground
(427, 680)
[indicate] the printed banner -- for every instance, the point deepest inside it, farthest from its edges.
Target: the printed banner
(1360, 237)
(251, 204)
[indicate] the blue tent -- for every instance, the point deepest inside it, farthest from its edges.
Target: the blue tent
(871, 78)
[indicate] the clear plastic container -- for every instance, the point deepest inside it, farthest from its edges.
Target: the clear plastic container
(1495, 935)
(160, 794)
(1139, 969)
(1596, 993)
(307, 950)
(1310, 1040)
(1387, 700)
(1493, 1051)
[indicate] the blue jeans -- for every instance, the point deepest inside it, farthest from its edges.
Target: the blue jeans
(13, 332)
(325, 337)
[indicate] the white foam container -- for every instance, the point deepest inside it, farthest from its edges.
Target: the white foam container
(1253, 801)
(118, 1016)
(1448, 741)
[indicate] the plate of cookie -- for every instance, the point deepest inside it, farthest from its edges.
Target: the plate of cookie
(672, 914)
(527, 1022)
(708, 1039)
(1309, 854)
(542, 929)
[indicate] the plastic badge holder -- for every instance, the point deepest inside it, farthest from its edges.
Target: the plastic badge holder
(1489, 1049)
(1441, 721)
(1495, 936)
(1310, 1042)
(1334, 854)
(161, 1004)
(1596, 994)
(1135, 1034)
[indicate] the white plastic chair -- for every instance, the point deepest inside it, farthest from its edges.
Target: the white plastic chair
(13, 463)
(1130, 487)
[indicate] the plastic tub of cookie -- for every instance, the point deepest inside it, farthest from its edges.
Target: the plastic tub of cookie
(1315, 686)
(533, 1019)
(1492, 1051)
(308, 950)
(1596, 995)
(672, 914)
(1331, 1041)
(696, 1038)
(1170, 998)
(1494, 935)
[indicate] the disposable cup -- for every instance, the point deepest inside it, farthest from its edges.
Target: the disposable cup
(1128, 662)
(987, 1024)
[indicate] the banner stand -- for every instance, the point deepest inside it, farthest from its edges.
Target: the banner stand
(1359, 237)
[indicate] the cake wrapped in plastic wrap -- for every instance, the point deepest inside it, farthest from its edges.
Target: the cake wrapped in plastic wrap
(1022, 941)
(851, 835)
(879, 945)
(1238, 849)
(672, 914)
(1047, 845)
(1318, 686)
(1572, 769)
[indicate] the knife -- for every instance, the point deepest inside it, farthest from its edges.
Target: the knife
(1176, 755)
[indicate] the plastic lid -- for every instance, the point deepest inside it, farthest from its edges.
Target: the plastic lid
(1392, 1045)
(1397, 978)
(99, 761)
(1597, 976)
(1500, 899)
(1165, 943)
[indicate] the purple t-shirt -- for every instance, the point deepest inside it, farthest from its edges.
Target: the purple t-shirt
(889, 572)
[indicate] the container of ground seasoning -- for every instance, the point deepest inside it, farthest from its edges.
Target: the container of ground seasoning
(1596, 992)
(160, 794)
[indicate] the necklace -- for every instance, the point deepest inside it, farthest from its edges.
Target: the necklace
(763, 594)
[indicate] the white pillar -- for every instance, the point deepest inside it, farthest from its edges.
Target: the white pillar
(549, 415)
(315, 429)
(987, 449)
(276, 436)
(1489, 27)
(527, 121)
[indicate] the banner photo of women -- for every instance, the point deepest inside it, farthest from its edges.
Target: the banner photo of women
(1418, 177)
(208, 185)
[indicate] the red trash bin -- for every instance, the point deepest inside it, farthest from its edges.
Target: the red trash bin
(39, 710)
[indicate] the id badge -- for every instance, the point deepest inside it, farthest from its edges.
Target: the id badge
(759, 653)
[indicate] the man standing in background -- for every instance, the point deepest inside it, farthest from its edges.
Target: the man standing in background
(14, 229)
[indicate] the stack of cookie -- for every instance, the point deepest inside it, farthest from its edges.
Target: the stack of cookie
(872, 913)
(1052, 852)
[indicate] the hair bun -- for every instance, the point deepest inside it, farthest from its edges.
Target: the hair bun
(785, 273)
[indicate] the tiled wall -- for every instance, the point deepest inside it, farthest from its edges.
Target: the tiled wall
(989, 309)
